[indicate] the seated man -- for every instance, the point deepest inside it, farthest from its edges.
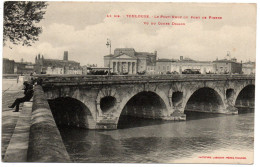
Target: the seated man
(28, 92)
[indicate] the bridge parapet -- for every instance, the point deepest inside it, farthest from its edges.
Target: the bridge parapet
(45, 143)
(49, 80)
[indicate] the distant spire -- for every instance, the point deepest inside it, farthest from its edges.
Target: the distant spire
(228, 55)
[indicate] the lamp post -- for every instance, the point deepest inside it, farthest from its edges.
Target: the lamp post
(109, 44)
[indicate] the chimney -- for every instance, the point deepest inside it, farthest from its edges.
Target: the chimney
(181, 58)
(66, 55)
(39, 56)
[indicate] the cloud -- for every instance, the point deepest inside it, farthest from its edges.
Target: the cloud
(194, 40)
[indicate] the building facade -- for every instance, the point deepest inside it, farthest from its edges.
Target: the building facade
(226, 66)
(248, 68)
(203, 67)
(8, 66)
(23, 68)
(164, 66)
(55, 66)
(128, 61)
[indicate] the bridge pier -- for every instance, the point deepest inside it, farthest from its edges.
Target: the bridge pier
(175, 116)
(110, 121)
(106, 122)
(230, 109)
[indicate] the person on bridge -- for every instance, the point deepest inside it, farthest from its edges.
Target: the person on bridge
(28, 92)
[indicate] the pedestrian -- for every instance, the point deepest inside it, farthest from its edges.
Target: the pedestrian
(28, 94)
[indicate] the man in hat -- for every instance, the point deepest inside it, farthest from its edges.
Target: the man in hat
(28, 92)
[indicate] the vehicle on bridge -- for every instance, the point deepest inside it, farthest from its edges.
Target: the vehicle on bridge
(98, 70)
(174, 72)
(141, 72)
(191, 71)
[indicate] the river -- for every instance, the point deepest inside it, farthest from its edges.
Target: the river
(199, 139)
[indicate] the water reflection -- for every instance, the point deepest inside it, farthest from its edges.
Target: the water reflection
(149, 141)
(132, 122)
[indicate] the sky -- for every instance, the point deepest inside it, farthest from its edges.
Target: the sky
(82, 29)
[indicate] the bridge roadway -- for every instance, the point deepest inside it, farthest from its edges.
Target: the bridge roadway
(117, 79)
(103, 99)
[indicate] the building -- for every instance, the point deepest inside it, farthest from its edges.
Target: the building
(128, 61)
(8, 66)
(203, 67)
(248, 68)
(226, 66)
(12, 67)
(55, 66)
(87, 68)
(164, 66)
(23, 68)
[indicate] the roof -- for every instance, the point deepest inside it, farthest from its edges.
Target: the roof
(131, 53)
(120, 54)
(144, 53)
(192, 61)
(111, 55)
(224, 61)
(187, 60)
(249, 62)
(165, 60)
(125, 49)
(59, 63)
(7, 59)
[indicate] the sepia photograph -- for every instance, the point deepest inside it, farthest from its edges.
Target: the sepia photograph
(128, 82)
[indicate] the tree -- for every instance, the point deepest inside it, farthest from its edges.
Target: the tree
(20, 20)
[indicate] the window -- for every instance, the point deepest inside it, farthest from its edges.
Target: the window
(168, 68)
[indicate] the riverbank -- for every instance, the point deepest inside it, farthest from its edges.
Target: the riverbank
(10, 91)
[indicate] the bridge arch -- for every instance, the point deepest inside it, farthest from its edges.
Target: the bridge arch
(68, 111)
(76, 95)
(245, 94)
(144, 104)
(204, 99)
(158, 93)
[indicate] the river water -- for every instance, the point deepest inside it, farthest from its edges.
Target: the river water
(199, 139)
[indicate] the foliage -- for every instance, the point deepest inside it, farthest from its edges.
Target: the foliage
(20, 19)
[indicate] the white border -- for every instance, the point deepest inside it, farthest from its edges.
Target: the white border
(257, 105)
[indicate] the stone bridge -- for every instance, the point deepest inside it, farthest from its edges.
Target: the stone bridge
(98, 102)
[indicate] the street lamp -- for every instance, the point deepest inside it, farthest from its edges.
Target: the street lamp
(109, 44)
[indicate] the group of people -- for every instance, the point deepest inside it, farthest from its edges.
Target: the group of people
(28, 94)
